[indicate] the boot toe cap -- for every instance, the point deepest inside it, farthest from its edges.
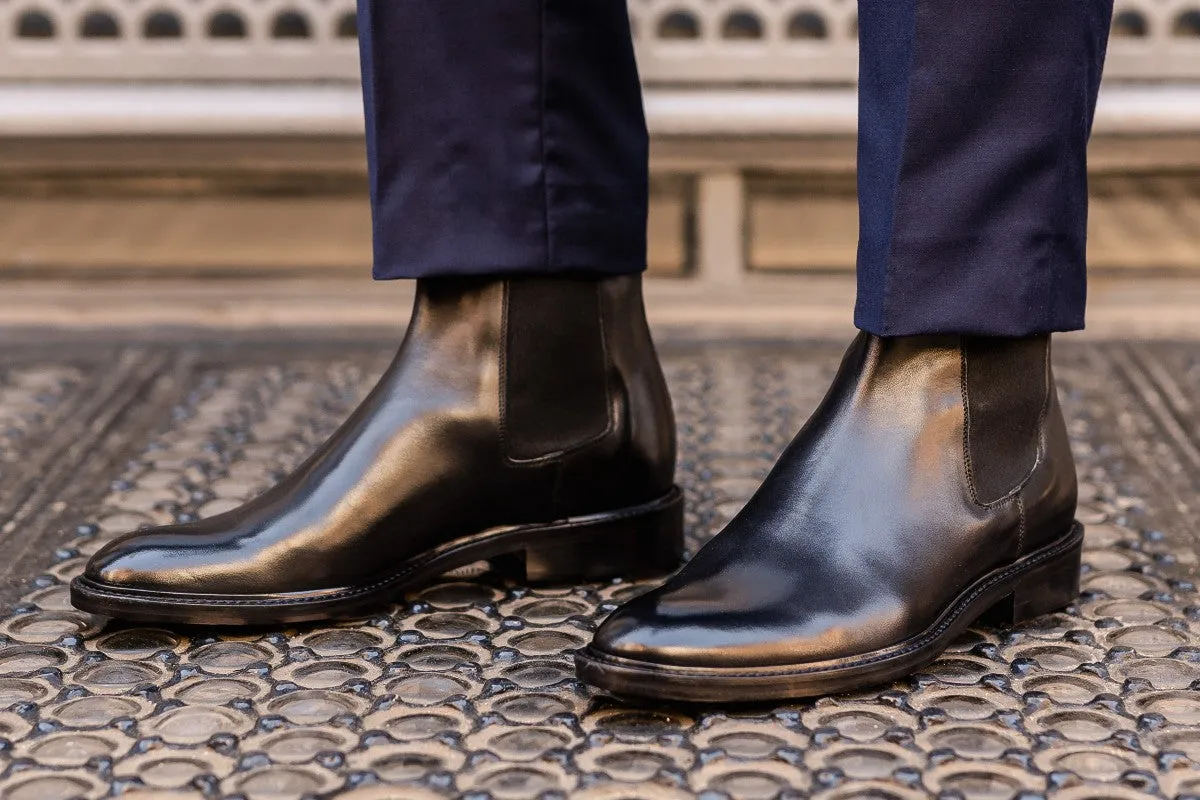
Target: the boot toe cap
(641, 631)
(661, 628)
(156, 561)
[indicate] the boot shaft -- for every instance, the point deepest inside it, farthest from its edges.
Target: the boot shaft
(1016, 437)
(1006, 385)
(1015, 452)
(578, 386)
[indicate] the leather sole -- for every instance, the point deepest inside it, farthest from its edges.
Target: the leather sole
(639, 541)
(1041, 582)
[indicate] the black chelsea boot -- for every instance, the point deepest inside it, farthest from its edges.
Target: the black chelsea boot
(933, 487)
(521, 417)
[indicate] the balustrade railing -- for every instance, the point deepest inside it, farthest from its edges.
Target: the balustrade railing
(680, 42)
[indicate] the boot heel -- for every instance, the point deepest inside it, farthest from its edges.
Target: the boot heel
(1049, 587)
(646, 543)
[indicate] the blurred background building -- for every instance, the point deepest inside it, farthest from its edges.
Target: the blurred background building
(222, 137)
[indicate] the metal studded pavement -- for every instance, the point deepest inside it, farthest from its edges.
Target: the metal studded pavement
(466, 689)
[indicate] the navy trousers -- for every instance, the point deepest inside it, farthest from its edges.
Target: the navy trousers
(508, 136)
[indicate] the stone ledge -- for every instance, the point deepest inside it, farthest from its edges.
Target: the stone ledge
(112, 109)
(762, 306)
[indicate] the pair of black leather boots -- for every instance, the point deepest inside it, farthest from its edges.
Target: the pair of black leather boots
(527, 421)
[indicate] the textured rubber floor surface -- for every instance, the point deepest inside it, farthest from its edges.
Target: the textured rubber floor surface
(467, 687)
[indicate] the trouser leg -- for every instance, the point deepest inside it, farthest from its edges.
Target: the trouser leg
(974, 121)
(504, 136)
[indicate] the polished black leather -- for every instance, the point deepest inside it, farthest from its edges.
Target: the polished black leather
(445, 446)
(885, 507)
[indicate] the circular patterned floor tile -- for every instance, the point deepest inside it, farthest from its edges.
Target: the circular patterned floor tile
(429, 688)
(532, 708)
(517, 781)
(174, 769)
(196, 724)
(972, 740)
(549, 610)
(1108, 560)
(1097, 536)
(466, 687)
(1131, 612)
(459, 595)
(22, 690)
(1181, 783)
(1122, 585)
(636, 724)
(1060, 658)
(535, 674)
(1050, 627)
(408, 763)
(68, 569)
(873, 790)
(328, 673)
(1161, 673)
(1148, 640)
(1182, 741)
(439, 657)
(206, 690)
(862, 723)
(301, 745)
(1065, 689)
(53, 786)
(747, 739)
(13, 726)
(543, 642)
(341, 641)
(227, 658)
(645, 791)
(17, 660)
(762, 780)
(314, 706)
(384, 792)
(453, 624)
(1181, 707)
(119, 677)
(414, 725)
(965, 703)
(52, 598)
(877, 761)
(1104, 764)
(136, 643)
(632, 763)
(960, 671)
(75, 748)
(280, 782)
(1080, 725)
(522, 742)
(99, 711)
(980, 781)
(1099, 793)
